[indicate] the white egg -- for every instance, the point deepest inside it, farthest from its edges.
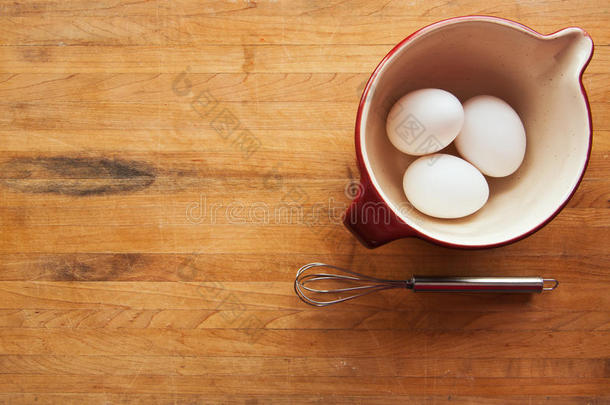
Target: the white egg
(493, 136)
(424, 121)
(445, 186)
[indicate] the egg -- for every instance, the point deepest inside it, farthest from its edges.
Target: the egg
(424, 121)
(493, 136)
(445, 186)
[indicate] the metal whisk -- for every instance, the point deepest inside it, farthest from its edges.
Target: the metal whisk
(354, 285)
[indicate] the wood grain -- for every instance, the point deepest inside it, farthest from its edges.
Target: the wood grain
(148, 59)
(125, 280)
(233, 399)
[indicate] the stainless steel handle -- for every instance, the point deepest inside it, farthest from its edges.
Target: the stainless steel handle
(483, 284)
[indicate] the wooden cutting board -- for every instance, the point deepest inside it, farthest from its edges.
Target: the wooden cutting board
(148, 152)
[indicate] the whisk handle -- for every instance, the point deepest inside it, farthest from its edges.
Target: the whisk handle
(483, 284)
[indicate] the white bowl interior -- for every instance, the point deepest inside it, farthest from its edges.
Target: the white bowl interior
(538, 76)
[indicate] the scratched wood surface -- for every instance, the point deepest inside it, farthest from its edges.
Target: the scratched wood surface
(145, 255)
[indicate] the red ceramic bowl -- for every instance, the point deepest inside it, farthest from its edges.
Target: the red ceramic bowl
(538, 75)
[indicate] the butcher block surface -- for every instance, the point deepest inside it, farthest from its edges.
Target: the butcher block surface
(167, 166)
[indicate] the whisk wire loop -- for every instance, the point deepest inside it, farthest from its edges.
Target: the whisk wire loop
(375, 284)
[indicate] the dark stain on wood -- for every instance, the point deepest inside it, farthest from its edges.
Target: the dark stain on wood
(75, 176)
(248, 62)
(35, 54)
(82, 268)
